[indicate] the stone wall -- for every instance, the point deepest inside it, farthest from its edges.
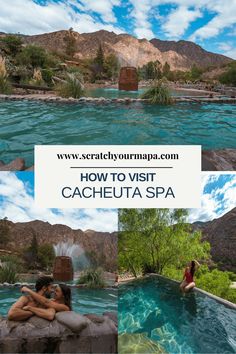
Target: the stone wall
(69, 332)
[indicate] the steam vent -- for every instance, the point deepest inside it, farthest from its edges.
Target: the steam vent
(128, 79)
(63, 269)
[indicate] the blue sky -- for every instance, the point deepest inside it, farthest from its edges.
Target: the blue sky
(210, 23)
(17, 203)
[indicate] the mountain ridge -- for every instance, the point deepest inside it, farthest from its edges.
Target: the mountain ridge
(221, 234)
(193, 51)
(102, 246)
(179, 55)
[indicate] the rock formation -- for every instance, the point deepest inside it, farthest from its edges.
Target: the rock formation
(101, 246)
(130, 50)
(192, 52)
(68, 333)
(16, 165)
(219, 160)
(221, 234)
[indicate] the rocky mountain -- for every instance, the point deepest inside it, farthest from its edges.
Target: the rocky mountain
(130, 50)
(221, 234)
(193, 52)
(101, 246)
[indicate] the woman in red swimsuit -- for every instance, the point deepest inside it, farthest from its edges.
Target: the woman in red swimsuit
(188, 278)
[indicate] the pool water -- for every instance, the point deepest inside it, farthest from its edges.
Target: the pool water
(95, 301)
(24, 124)
(153, 310)
(115, 93)
(112, 93)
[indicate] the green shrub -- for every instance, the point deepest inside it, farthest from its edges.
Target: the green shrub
(111, 67)
(195, 73)
(33, 56)
(71, 87)
(215, 282)
(37, 79)
(173, 273)
(70, 43)
(46, 255)
(229, 77)
(5, 86)
(93, 278)
(231, 295)
(30, 254)
(158, 93)
(232, 276)
(13, 44)
(11, 258)
(8, 273)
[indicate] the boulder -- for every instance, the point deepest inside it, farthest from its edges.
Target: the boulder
(113, 316)
(95, 318)
(219, 160)
(74, 321)
(16, 165)
(69, 332)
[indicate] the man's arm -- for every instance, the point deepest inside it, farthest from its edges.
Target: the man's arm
(44, 301)
(48, 314)
(16, 312)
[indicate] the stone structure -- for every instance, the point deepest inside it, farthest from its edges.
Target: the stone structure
(68, 333)
(16, 165)
(63, 269)
(128, 79)
(219, 160)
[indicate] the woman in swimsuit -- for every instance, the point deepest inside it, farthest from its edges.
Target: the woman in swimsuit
(188, 278)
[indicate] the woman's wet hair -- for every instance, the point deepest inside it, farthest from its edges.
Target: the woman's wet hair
(43, 281)
(192, 268)
(66, 291)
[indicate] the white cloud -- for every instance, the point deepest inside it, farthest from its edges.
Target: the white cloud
(225, 46)
(140, 13)
(144, 33)
(228, 49)
(217, 202)
(231, 53)
(179, 20)
(225, 17)
(18, 205)
(27, 17)
(101, 7)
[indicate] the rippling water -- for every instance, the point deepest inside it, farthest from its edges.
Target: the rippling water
(115, 93)
(83, 300)
(24, 124)
(153, 313)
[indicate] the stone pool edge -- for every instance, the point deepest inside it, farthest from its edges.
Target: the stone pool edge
(227, 303)
(98, 100)
(69, 332)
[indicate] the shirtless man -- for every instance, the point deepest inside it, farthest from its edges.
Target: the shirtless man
(43, 287)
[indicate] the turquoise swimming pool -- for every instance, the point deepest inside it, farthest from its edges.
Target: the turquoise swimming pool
(154, 309)
(95, 301)
(107, 92)
(24, 124)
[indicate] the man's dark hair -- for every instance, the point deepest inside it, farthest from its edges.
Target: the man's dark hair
(43, 281)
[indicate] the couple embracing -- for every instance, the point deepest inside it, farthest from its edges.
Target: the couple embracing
(39, 302)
